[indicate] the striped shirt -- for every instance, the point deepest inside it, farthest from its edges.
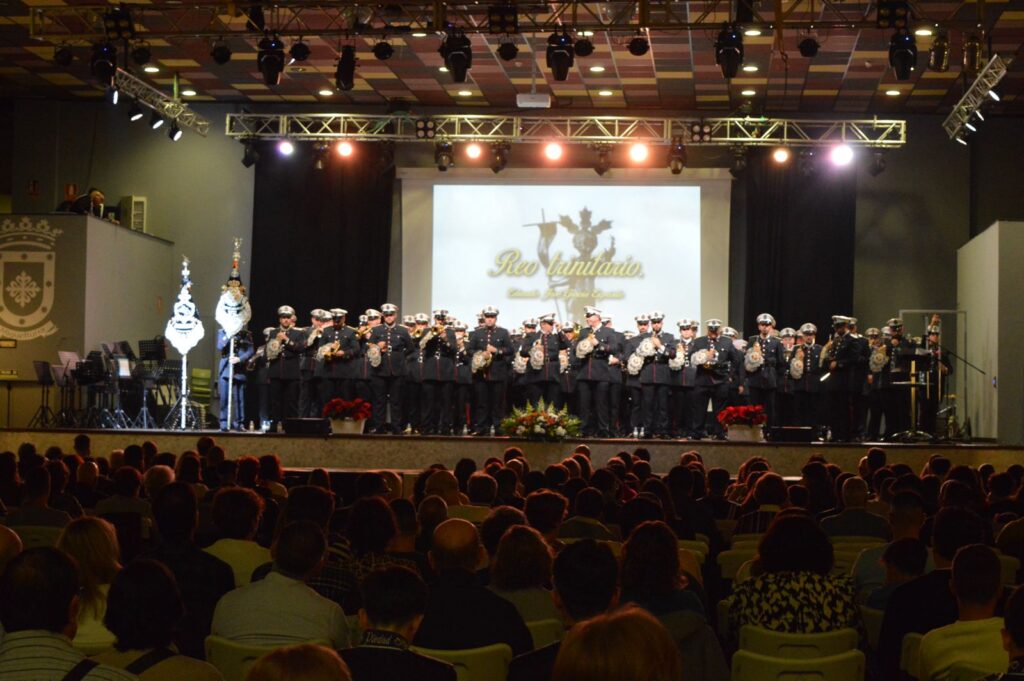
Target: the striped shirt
(39, 655)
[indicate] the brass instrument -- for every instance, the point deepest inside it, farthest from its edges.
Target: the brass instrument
(251, 364)
(827, 353)
(418, 332)
(427, 335)
(363, 332)
(275, 346)
(879, 358)
(537, 355)
(796, 365)
(326, 353)
(753, 360)
(481, 361)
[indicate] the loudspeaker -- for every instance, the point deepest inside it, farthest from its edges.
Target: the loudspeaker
(307, 426)
(790, 434)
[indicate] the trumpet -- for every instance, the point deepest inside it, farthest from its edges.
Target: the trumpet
(418, 332)
(363, 331)
(327, 352)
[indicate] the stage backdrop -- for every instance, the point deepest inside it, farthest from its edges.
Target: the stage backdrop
(800, 243)
(321, 238)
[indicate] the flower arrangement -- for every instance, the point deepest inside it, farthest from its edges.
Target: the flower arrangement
(743, 416)
(541, 422)
(356, 410)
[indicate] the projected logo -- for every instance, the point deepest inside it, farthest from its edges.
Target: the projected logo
(28, 265)
(572, 282)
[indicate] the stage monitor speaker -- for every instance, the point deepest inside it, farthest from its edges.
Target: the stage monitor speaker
(790, 434)
(307, 426)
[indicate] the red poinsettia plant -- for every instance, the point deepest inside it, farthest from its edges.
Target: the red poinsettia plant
(743, 416)
(356, 410)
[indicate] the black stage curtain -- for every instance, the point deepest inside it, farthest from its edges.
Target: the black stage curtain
(321, 238)
(800, 241)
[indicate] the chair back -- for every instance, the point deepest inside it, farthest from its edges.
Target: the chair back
(696, 546)
(872, 624)
(910, 650)
(731, 560)
(748, 666)
(233, 660)
(752, 539)
(489, 663)
(1010, 567)
(863, 540)
(34, 536)
(963, 672)
(796, 646)
(726, 528)
(545, 632)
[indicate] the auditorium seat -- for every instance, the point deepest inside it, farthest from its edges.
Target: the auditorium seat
(696, 546)
(545, 632)
(872, 624)
(702, 538)
(726, 529)
(1010, 567)
(355, 632)
(489, 663)
(233, 660)
(909, 652)
(34, 536)
(848, 666)
(692, 563)
(746, 540)
(796, 646)
(960, 672)
(865, 541)
(731, 560)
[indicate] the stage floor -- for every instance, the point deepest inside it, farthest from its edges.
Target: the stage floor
(413, 452)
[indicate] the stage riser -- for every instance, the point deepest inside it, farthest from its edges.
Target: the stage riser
(359, 452)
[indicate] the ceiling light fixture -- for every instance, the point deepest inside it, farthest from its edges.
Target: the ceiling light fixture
(638, 46)
(344, 149)
(938, 54)
(474, 150)
(134, 111)
(103, 62)
(584, 47)
(156, 120)
(221, 53)
(175, 132)
(507, 50)
(285, 148)
(63, 56)
(841, 155)
(345, 74)
(251, 154)
(902, 54)
(457, 52)
(604, 159)
(383, 50)
(300, 52)
(152, 69)
(729, 51)
(553, 151)
(780, 155)
(270, 59)
(560, 56)
(638, 152)
(443, 156)
(677, 156)
(141, 54)
(499, 156)
(809, 48)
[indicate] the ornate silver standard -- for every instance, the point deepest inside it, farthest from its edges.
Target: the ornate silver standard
(233, 313)
(184, 331)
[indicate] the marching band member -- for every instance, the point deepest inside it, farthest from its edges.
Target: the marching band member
(684, 376)
(387, 349)
(655, 350)
(437, 346)
(338, 356)
(895, 377)
(615, 383)
(490, 348)
(635, 391)
(785, 398)
(716, 359)
(244, 351)
(805, 368)
(839, 360)
(284, 348)
(309, 381)
(543, 350)
(764, 354)
(595, 355)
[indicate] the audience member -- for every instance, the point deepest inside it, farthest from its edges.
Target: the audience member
(770, 496)
(202, 578)
(155, 479)
(394, 600)
(144, 608)
(281, 609)
(92, 543)
(545, 511)
(10, 546)
(236, 513)
(35, 510)
(371, 529)
(521, 573)
(855, 520)
(681, 484)
(494, 526)
(903, 560)
(974, 639)
(431, 512)
(626, 645)
(125, 497)
(10, 481)
(588, 511)
(1013, 638)
(460, 613)
(87, 489)
(39, 604)
(307, 662)
(508, 488)
(59, 497)
(403, 546)
(906, 516)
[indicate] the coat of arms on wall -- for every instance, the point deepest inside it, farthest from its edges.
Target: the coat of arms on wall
(28, 264)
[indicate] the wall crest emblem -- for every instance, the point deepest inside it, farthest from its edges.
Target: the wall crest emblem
(28, 266)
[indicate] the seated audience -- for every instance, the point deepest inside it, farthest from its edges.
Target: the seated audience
(60, 499)
(974, 639)
(35, 510)
(39, 601)
(855, 520)
(371, 529)
(144, 608)
(281, 609)
(903, 560)
(545, 511)
(125, 497)
(87, 490)
(795, 593)
(508, 488)
(494, 526)
(272, 476)
(10, 480)
(521, 573)
(588, 509)
(1013, 638)
(10, 546)
(394, 600)
(190, 470)
(927, 603)
(306, 662)
(236, 513)
(683, 486)
(155, 479)
(460, 613)
(626, 645)
(444, 484)
(201, 577)
(92, 543)
(403, 546)
(906, 516)
(431, 512)
(770, 496)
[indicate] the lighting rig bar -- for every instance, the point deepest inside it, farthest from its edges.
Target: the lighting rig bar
(975, 96)
(874, 133)
(219, 19)
(173, 110)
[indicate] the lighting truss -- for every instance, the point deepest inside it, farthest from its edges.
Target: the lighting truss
(975, 96)
(173, 110)
(221, 18)
(587, 130)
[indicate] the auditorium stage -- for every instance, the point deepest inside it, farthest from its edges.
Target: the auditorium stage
(361, 452)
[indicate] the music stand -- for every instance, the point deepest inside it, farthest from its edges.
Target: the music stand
(151, 354)
(171, 372)
(920, 360)
(44, 416)
(67, 417)
(88, 373)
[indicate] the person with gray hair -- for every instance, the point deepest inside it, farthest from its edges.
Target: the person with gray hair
(155, 479)
(855, 520)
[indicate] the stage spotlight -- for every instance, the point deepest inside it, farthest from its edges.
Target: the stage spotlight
(938, 54)
(583, 47)
(115, 94)
(638, 152)
(903, 54)
(499, 154)
(677, 156)
(251, 154)
(604, 159)
(780, 155)
(319, 155)
(700, 132)
(638, 46)
(994, 95)
(973, 51)
(739, 162)
(457, 52)
(443, 156)
(300, 52)
(383, 50)
(156, 120)
(474, 151)
(877, 166)
(270, 59)
(175, 132)
(285, 147)
(805, 162)
(808, 48)
(118, 24)
(841, 155)
(425, 129)
(345, 149)
(345, 75)
(134, 112)
(141, 54)
(103, 62)
(62, 56)
(729, 51)
(560, 56)
(502, 19)
(508, 51)
(553, 151)
(221, 53)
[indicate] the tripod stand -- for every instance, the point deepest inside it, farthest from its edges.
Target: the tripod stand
(181, 416)
(44, 416)
(913, 434)
(151, 355)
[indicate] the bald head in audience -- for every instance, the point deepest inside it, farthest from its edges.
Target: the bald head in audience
(456, 546)
(445, 485)
(855, 493)
(10, 546)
